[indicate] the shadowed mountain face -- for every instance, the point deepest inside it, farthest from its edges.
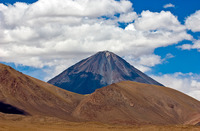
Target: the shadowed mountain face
(101, 69)
(9, 109)
(35, 97)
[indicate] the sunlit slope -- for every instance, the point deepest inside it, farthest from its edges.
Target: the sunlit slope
(35, 97)
(137, 103)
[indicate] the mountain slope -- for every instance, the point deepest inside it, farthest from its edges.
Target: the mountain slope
(101, 69)
(35, 97)
(130, 102)
(125, 102)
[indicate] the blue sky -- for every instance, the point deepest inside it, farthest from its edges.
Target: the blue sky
(160, 37)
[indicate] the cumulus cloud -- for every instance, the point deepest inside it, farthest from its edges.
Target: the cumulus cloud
(145, 62)
(164, 21)
(188, 83)
(128, 17)
(192, 22)
(170, 5)
(196, 45)
(41, 34)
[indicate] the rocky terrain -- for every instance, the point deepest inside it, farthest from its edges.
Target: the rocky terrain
(35, 97)
(24, 99)
(137, 103)
(99, 70)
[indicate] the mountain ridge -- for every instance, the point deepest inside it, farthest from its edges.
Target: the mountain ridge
(130, 102)
(100, 69)
(123, 103)
(35, 97)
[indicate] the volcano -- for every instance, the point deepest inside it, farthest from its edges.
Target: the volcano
(99, 70)
(125, 102)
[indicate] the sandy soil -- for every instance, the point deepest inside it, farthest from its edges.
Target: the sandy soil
(20, 123)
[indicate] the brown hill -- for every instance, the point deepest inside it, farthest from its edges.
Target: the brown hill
(122, 103)
(23, 93)
(136, 103)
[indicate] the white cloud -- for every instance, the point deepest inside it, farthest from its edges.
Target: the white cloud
(170, 5)
(196, 45)
(150, 60)
(61, 66)
(79, 8)
(168, 56)
(40, 34)
(188, 83)
(128, 17)
(164, 21)
(145, 62)
(192, 22)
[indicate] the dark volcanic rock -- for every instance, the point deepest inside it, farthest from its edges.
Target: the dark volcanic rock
(101, 69)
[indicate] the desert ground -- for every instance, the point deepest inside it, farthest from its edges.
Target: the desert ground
(38, 123)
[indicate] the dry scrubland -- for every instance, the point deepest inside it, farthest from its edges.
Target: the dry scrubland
(36, 123)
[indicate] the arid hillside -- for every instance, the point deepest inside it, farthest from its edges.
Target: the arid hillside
(123, 103)
(136, 103)
(35, 97)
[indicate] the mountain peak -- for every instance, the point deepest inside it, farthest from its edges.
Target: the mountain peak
(98, 70)
(105, 54)
(125, 102)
